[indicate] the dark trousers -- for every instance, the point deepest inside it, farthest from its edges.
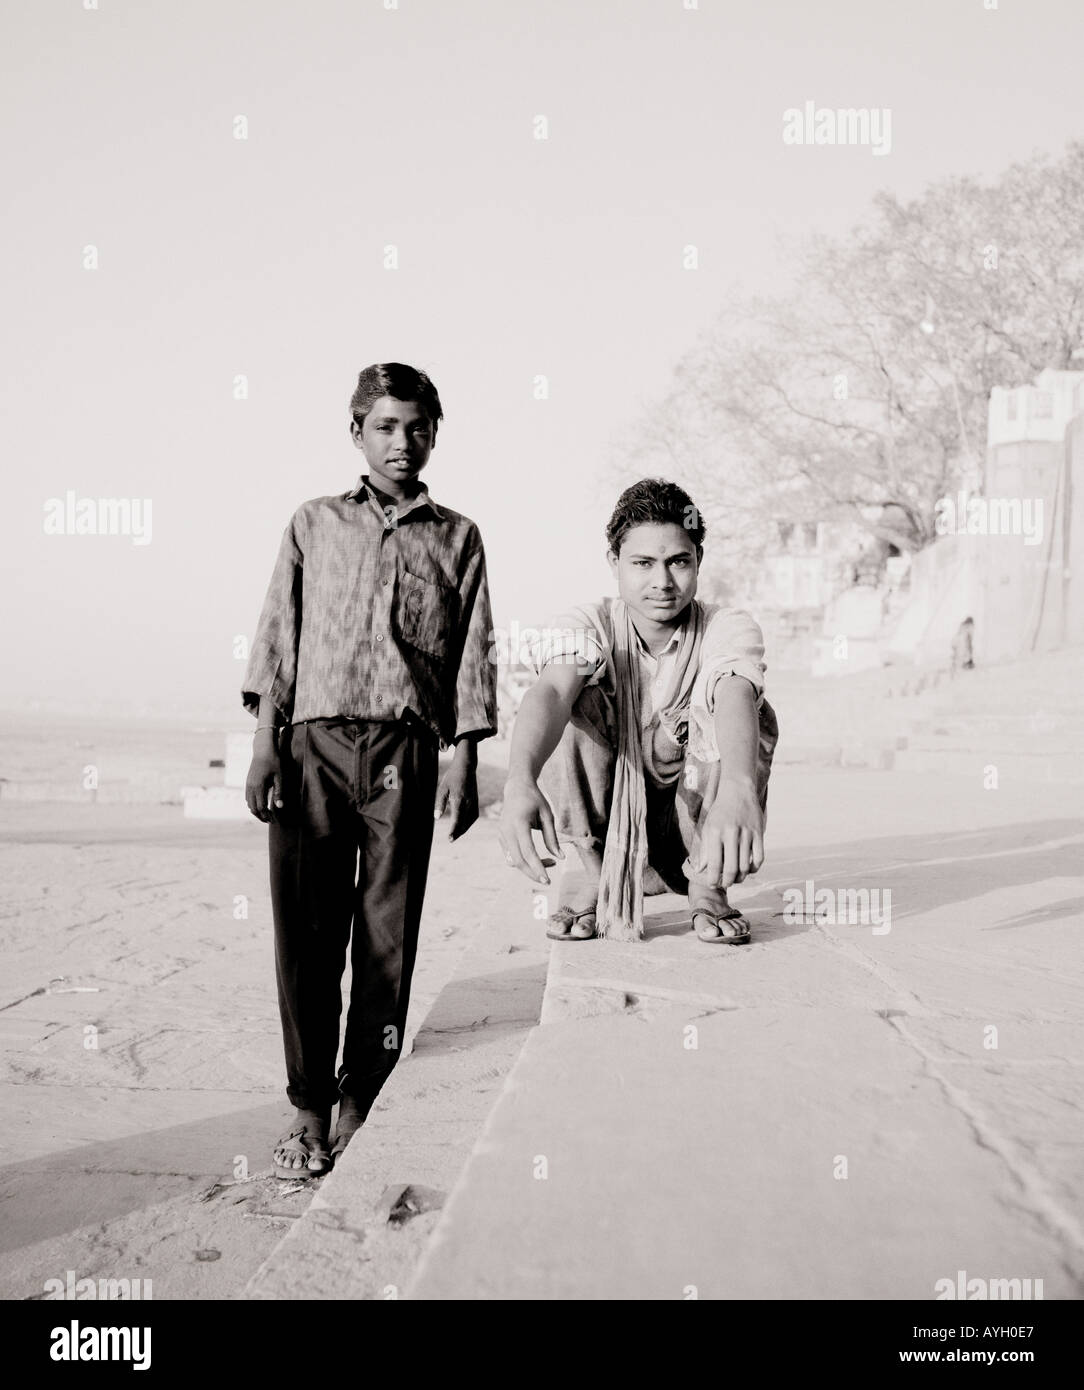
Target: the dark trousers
(349, 859)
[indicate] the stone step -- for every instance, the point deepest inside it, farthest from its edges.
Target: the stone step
(1048, 767)
(1032, 725)
(697, 1122)
(1038, 709)
(144, 791)
(791, 1154)
(875, 755)
(873, 704)
(988, 746)
(358, 1238)
(816, 1114)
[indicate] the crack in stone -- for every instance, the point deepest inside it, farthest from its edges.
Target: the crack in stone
(1043, 1205)
(883, 976)
(1040, 1201)
(32, 995)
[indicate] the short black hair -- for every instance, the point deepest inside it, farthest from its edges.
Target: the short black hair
(399, 381)
(654, 500)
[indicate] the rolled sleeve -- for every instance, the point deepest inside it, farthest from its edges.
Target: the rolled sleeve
(476, 679)
(568, 639)
(733, 646)
(272, 663)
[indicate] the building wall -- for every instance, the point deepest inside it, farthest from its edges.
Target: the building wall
(1022, 582)
(946, 588)
(1072, 576)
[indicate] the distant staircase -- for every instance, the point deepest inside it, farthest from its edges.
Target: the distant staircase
(1026, 718)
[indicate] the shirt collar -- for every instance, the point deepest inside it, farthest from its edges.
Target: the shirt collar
(364, 487)
(671, 646)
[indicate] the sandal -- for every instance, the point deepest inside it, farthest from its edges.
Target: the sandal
(716, 920)
(346, 1127)
(299, 1141)
(567, 918)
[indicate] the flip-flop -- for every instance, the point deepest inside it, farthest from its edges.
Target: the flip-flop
(340, 1143)
(569, 918)
(298, 1142)
(715, 918)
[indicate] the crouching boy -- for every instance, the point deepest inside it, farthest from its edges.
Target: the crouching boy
(646, 741)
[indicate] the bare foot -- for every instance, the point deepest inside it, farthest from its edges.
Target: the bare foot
(302, 1152)
(709, 908)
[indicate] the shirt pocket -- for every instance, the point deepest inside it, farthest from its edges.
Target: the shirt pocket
(425, 614)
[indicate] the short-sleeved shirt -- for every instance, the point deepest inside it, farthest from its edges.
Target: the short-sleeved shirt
(733, 645)
(375, 611)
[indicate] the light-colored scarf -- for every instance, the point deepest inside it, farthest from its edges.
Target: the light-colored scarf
(620, 915)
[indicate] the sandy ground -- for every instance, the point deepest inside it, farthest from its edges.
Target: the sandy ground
(141, 1087)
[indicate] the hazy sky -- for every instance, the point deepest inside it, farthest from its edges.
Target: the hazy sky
(413, 126)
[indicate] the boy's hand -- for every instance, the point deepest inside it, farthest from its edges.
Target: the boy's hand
(458, 794)
(526, 809)
(263, 786)
(732, 834)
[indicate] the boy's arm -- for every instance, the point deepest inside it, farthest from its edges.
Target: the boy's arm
(263, 786)
(475, 698)
(458, 790)
(732, 832)
(476, 679)
(270, 677)
(272, 662)
(543, 714)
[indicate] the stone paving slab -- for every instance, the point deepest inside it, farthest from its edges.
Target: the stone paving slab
(622, 1164)
(670, 964)
(622, 1161)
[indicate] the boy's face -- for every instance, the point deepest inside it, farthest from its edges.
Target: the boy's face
(656, 571)
(396, 438)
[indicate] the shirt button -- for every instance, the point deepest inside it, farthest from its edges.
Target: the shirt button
(385, 582)
(380, 699)
(380, 637)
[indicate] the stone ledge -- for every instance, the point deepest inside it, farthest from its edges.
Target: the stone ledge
(671, 968)
(786, 1155)
(420, 1133)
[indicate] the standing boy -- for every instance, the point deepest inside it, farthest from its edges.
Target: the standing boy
(372, 653)
(650, 721)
